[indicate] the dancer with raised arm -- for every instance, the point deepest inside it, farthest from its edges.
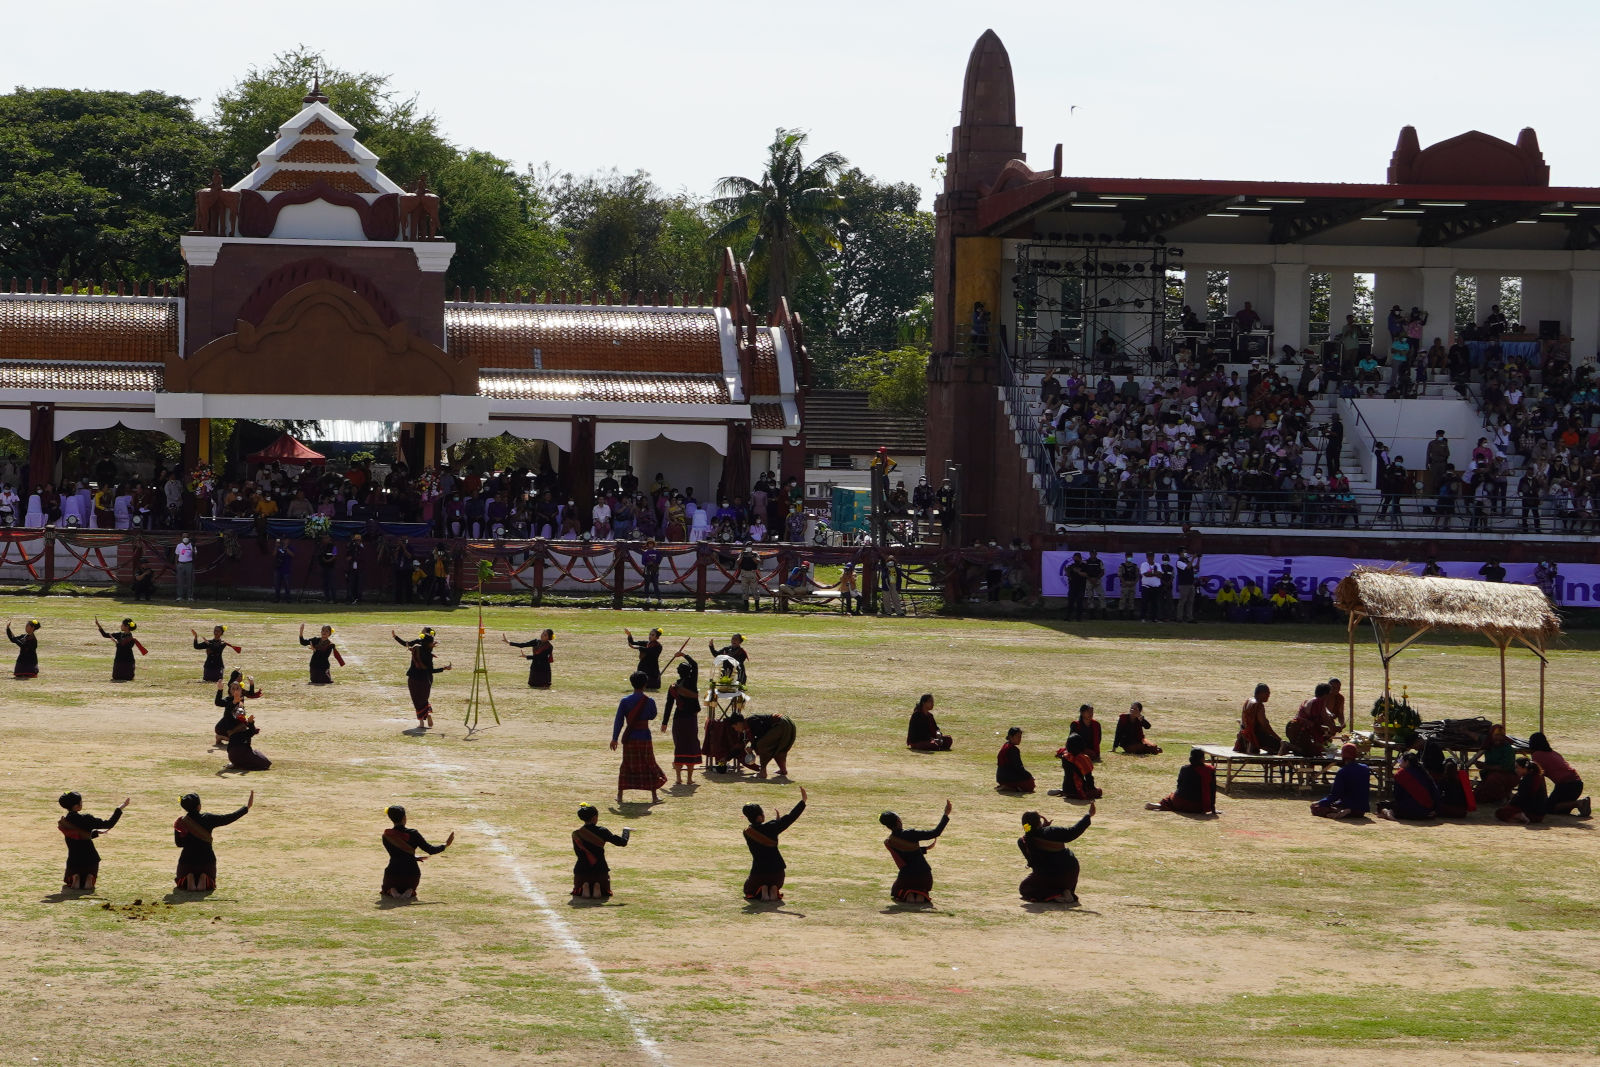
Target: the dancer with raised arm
(915, 880)
(191, 833)
(80, 829)
(767, 868)
(541, 653)
(420, 672)
(683, 701)
(322, 647)
(122, 662)
(27, 643)
(213, 668)
(1055, 868)
(404, 872)
(649, 657)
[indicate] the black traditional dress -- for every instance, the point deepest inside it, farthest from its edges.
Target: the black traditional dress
(767, 869)
(192, 834)
(27, 653)
(83, 859)
(122, 662)
(404, 872)
(213, 668)
(321, 649)
(419, 676)
(589, 845)
(539, 659)
(910, 855)
(1055, 868)
(683, 701)
(649, 662)
(236, 730)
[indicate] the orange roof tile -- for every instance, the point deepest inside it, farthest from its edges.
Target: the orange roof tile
(107, 330)
(764, 373)
(122, 378)
(318, 152)
(318, 128)
(624, 387)
(767, 416)
(627, 339)
(285, 178)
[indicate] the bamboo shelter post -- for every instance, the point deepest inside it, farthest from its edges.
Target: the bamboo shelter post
(1502, 685)
(1351, 693)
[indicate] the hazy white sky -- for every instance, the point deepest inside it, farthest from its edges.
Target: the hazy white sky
(690, 92)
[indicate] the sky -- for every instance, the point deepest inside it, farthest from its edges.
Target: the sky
(1287, 90)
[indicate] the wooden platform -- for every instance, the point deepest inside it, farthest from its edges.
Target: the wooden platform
(1287, 771)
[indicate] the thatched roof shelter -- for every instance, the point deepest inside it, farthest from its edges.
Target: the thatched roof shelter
(1394, 597)
(1494, 608)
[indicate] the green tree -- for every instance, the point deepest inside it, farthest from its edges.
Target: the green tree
(895, 380)
(789, 219)
(621, 233)
(493, 215)
(97, 184)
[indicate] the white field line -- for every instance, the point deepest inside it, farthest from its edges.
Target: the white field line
(559, 928)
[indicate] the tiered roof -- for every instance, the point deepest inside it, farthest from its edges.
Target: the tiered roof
(317, 146)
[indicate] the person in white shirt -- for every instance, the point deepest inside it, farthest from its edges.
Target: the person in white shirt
(183, 552)
(601, 530)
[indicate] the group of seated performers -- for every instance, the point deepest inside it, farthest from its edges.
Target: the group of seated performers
(1078, 756)
(1317, 721)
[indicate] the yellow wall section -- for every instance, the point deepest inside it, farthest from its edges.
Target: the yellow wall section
(977, 278)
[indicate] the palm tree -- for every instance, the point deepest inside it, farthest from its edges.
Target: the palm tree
(791, 216)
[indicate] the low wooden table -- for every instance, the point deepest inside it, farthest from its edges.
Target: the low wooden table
(1286, 771)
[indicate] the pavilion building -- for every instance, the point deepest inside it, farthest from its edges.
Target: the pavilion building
(315, 289)
(1061, 263)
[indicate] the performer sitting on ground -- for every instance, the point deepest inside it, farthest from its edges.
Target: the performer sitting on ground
(1055, 869)
(80, 829)
(122, 662)
(591, 874)
(236, 729)
(1566, 787)
(420, 672)
(771, 738)
(1531, 801)
(322, 647)
(1455, 790)
(1311, 730)
(767, 868)
(404, 872)
(27, 643)
(1497, 774)
(923, 733)
(212, 670)
(735, 651)
(246, 690)
(1089, 726)
(1077, 770)
(1010, 776)
(649, 658)
(632, 727)
(915, 880)
(1196, 793)
(683, 699)
(1129, 735)
(191, 833)
(1256, 735)
(1416, 795)
(541, 654)
(1351, 794)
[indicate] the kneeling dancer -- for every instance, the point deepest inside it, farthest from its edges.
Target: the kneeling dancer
(191, 833)
(211, 670)
(322, 647)
(632, 727)
(404, 872)
(766, 862)
(1196, 793)
(915, 880)
(1055, 868)
(80, 829)
(1077, 770)
(591, 875)
(236, 729)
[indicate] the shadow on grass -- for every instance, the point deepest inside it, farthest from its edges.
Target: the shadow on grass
(683, 789)
(636, 808)
(770, 907)
(60, 896)
(594, 902)
(1045, 908)
(387, 903)
(925, 907)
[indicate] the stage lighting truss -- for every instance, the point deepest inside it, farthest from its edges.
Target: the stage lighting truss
(1073, 293)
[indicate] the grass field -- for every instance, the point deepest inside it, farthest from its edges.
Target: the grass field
(1264, 936)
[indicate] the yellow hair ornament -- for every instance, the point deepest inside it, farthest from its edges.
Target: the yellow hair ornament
(1027, 827)
(223, 627)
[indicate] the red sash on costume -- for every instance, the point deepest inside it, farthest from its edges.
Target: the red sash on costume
(73, 832)
(335, 650)
(1411, 782)
(188, 824)
(236, 648)
(142, 650)
(760, 838)
(638, 705)
(582, 837)
(400, 840)
(1466, 789)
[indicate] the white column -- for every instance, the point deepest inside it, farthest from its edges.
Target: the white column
(1290, 297)
(1341, 299)
(1438, 301)
(1488, 295)
(1585, 315)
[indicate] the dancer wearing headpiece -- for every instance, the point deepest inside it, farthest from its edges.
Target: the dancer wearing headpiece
(240, 689)
(122, 662)
(767, 868)
(735, 651)
(27, 643)
(1055, 869)
(591, 874)
(542, 652)
(322, 647)
(915, 880)
(1196, 793)
(213, 668)
(632, 728)
(80, 829)
(404, 871)
(191, 833)
(683, 700)
(419, 675)
(649, 658)
(922, 732)
(236, 729)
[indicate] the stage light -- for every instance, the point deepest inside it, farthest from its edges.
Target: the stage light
(1138, 268)
(1138, 303)
(1123, 268)
(1104, 302)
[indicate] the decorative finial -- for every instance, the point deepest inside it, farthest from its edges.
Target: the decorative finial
(316, 95)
